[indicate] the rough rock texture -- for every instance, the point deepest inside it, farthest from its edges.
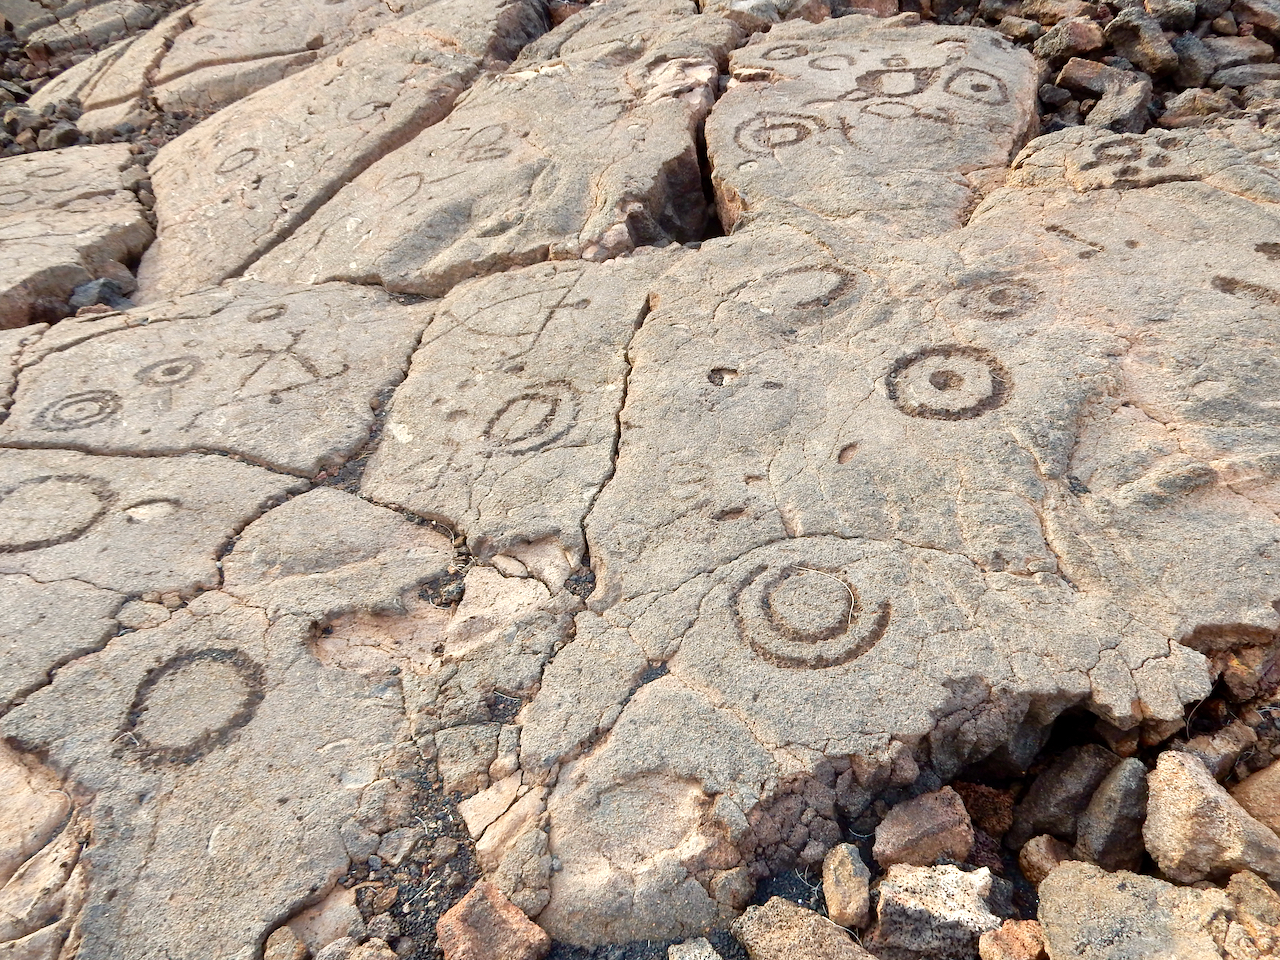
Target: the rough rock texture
(845, 880)
(65, 219)
(273, 169)
(934, 912)
(1060, 795)
(1040, 855)
(500, 182)
(178, 734)
(807, 118)
(1089, 914)
(1015, 940)
(484, 924)
(1109, 831)
(1195, 829)
(259, 370)
(932, 827)
(1259, 795)
(782, 930)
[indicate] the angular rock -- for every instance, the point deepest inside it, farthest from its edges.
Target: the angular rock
(326, 552)
(1109, 831)
(1220, 750)
(898, 132)
(149, 526)
(698, 949)
(1195, 829)
(179, 734)
(1259, 795)
(1060, 794)
(64, 216)
(1123, 96)
(1196, 62)
(1090, 914)
(1173, 14)
(782, 930)
(285, 376)
(484, 924)
(88, 29)
(1193, 107)
(1238, 51)
(501, 182)
(922, 831)
(990, 809)
(934, 912)
(1040, 855)
(1246, 75)
(515, 392)
(845, 887)
(1015, 940)
(272, 170)
(755, 15)
(1072, 37)
(1137, 37)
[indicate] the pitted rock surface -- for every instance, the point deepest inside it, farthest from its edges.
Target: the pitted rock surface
(646, 441)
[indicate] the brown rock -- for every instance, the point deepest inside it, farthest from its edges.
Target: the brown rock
(845, 880)
(990, 809)
(1040, 855)
(1256, 908)
(484, 925)
(1219, 751)
(283, 944)
(1196, 830)
(782, 930)
(932, 827)
(1015, 940)
(1060, 794)
(1260, 796)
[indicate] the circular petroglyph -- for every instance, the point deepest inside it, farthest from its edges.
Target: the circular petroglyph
(367, 110)
(1003, 298)
(167, 373)
(768, 132)
(802, 616)
(832, 63)
(241, 158)
(530, 421)
(79, 410)
(12, 197)
(948, 383)
(192, 704)
(977, 86)
(897, 81)
(266, 314)
(46, 511)
(785, 51)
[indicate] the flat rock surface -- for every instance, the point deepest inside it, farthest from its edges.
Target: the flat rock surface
(64, 216)
(636, 444)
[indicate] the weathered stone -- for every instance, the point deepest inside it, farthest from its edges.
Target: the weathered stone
(845, 887)
(1123, 96)
(922, 831)
(1246, 75)
(803, 113)
(1238, 51)
(1060, 794)
(1255, 917)
(1220, 750)
(1259, 795)
(88, 28)
(273, 169)
(1109, 831)
(1193, 107)
(756, 15)
(273, 373)
(1196, 62)
(1137, 37)
(1195, 829)
(327, 552)
(1040, 855)
(64, 216)
(535, 431)
(782, 930)
(1050, 12)
(43, 625)
(1173, 14)
(484, 924)
(1015, 940)
(990, 809)
(154, 525)
(697, 949)
(934, 912)
(1073, 37)
(500, 183)
(180, 733)
(283, 944)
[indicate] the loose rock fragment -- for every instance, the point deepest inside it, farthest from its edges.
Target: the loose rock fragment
(782, 930)
(1040, 855)
(1195, 829)
(932, 827)
(1109, 831)
(1259, 795)
(1060, 794)
(1015, 940)
(935, 912)
(845, 880)
(484, 924)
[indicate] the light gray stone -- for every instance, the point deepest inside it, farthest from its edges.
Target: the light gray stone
(696, 949)
(179, 734)
(502, 183)
(64, 216)
(148, 526)
(286, 376)
(874, 124)
(934, 912)
(273, 169)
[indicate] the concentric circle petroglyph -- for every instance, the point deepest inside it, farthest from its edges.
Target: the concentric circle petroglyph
(800, 616)
(192, 704)
(168, 373)
(948, 383)
(46, 511)
(79, 410)
(772, 131)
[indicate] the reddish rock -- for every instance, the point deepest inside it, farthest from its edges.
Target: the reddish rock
(990, 809)
(932, 827)
(1260, 796)
(1040, 855)
(1015, 940)
(485, 925)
